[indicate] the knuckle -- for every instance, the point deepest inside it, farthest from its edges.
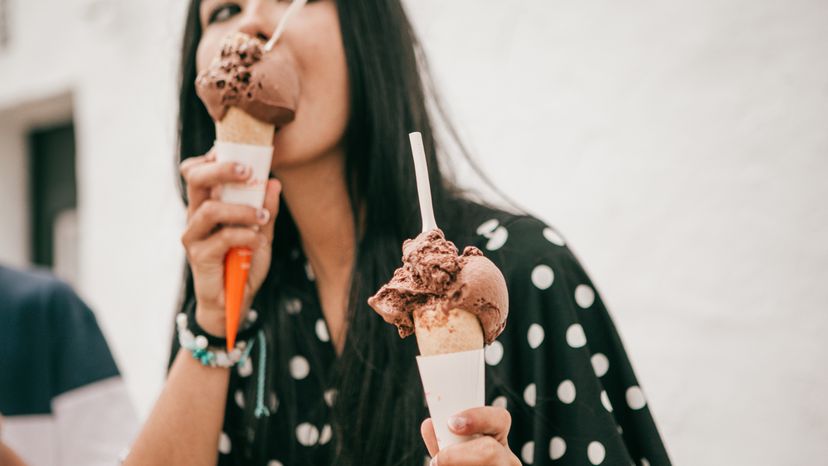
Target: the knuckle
(490, 448)
(195, 254)
(226, 235)
(507, 419)
(209, 210)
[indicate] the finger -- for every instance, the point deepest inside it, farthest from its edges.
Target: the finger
(429, 437)
(213, 249)
(214, 213)
(271, 204)
(482, 450)
(202, 178)
(187, 165)
(487, 420)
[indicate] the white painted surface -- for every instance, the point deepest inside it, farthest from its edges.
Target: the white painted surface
(681, 147)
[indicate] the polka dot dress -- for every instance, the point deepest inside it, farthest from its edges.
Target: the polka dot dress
(559, 367)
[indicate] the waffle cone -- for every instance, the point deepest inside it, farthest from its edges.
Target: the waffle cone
(239, 127)
(440, 332)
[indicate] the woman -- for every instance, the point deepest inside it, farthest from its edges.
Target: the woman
(332, 383)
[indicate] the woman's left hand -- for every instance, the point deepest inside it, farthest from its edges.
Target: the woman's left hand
(490, 449)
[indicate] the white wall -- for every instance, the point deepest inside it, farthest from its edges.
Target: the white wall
(116, 59)
(680, 146)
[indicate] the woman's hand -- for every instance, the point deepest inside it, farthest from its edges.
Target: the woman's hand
(490, 449)
(213, 227)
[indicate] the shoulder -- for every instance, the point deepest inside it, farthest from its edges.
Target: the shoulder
(36, 294)
(545, 279)
(517, 243)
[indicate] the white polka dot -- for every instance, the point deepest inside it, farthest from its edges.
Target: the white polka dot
(274, 463)
(330, 396)
(487, 227)
(584, 296)
(252, 315)
(497, 239)
(600, 364)
(566, 392)
(535, 335)
(543, 276)
(499, 402)
(307, 434)
(596, 452)
(620, 430)
(224, 445)
(557, 448)
(299, 367)
(309, 272)
(325, 436)
(575, 336)
(635, 398)
(553, 237)
(322, 330)
(606, 401)
(645, 462)
(239, 396)
(493, 353)
(293, 306)
(245, 368)
(528, 452)
(273, 402)
(530, 395)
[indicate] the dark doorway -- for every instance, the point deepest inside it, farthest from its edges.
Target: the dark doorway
(53, 186)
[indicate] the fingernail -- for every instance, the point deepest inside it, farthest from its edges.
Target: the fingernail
(263, 215)
(457, 423)
(241, 169)
(433, 462)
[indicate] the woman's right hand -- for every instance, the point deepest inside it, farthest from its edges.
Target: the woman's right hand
(213, 227)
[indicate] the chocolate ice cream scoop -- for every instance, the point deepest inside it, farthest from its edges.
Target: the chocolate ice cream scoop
(264, 85)
(434, 276)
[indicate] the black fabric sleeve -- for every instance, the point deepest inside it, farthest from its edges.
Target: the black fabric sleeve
(51, 343)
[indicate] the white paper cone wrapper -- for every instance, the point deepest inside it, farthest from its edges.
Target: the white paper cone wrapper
(453, 382)
(258, 158)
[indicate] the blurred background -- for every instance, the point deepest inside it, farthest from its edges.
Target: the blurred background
(681, 147)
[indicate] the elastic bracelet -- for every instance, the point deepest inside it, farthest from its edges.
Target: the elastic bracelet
(247, 329)
(208, 355)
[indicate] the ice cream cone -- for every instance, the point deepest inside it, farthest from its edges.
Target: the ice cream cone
(239, 127)
(451, 366)
(440, 332)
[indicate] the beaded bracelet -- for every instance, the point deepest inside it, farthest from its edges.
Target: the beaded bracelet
(209, 350)
(212, 356)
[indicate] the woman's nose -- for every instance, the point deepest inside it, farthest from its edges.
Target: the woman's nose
(260, 18)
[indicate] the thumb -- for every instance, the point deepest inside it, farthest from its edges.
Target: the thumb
(271, 203)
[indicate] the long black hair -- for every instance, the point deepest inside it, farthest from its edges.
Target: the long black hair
(380, 403)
